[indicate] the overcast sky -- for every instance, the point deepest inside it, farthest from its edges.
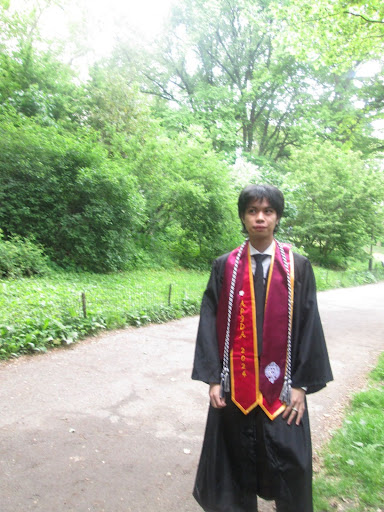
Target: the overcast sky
(104, 18)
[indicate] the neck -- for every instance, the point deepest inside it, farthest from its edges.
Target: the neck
(261, 245)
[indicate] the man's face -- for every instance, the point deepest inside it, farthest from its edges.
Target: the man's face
(260, 220)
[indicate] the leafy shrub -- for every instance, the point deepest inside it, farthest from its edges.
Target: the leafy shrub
(37, 335)
(65, 192)
(21, 257)
(334, 260)
(337, 193)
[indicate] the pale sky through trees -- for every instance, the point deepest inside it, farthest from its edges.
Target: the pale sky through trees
(104, 19)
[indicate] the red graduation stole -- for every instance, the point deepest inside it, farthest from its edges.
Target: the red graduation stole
(256, 380)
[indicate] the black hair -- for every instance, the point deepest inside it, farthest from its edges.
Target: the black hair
(258, 193)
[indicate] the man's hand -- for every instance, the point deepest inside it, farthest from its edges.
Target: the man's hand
(214, 396)
(295, 411)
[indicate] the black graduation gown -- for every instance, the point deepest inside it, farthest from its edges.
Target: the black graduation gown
(248, 455)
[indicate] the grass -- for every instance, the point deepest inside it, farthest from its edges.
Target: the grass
(39, 313)
(356, 275)
(351, 478)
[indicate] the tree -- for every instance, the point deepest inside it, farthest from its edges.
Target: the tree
(34, 79)
(220, 61)
(114, 106)
(338, 201)
(347, 37)
(345, 112)
(190, 203)
(337, 33)
(224, 65)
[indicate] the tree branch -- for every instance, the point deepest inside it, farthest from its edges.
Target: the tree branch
(364, 18)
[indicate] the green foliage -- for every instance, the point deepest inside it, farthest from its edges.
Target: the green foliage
(40, 313)
(245, 91)
(185, 186)
(21, 257)
(102, 213)
(327, 278)
(89, 173)
(65, 192)
(334, 32)
(114, 105)
(228, 68)
(377, 374)
(338, 198)
(190, 203)
(35, 80)
(354, 458)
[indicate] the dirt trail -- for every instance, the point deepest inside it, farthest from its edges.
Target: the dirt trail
(115, 424)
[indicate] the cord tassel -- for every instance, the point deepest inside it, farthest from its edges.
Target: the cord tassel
(285, 395)
(224, 385)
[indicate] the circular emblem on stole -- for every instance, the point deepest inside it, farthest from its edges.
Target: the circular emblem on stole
(272, 372)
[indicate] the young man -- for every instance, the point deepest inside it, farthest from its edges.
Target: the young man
(260, 347)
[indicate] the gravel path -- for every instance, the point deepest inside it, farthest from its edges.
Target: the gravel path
(115, 424)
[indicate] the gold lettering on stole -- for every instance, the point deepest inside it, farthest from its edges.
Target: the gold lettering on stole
(242, 335)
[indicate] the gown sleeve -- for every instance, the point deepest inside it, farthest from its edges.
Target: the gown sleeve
(310, 361)
(207, 364)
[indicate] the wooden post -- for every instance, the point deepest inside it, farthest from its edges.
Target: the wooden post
(370, 262)
(169, 294)
(84, 302)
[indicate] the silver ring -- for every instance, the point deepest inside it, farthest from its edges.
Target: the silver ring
(294, 409)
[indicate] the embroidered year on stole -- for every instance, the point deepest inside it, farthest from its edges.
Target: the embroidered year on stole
(257, 381)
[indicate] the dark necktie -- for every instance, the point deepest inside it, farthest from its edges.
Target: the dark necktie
(259, 298)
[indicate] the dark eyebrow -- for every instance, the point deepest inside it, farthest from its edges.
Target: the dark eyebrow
(269, 207)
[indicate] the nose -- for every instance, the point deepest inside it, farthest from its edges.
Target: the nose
(259, 216)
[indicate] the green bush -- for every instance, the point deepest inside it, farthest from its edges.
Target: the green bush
(334, 260)
(21, 257)
(65, 192)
